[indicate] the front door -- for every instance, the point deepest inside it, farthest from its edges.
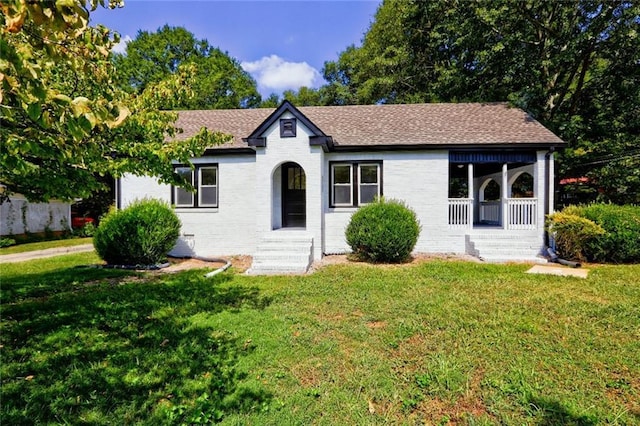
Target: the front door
(294, 205)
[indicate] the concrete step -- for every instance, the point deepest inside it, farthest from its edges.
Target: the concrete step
(513, 259)
(281, 256)
(265, 246)
(269, 268)
(508, 252)
(291, 236)
(283, 252)
(505, 247)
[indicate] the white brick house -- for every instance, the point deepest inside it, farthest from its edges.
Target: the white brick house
(479, 177)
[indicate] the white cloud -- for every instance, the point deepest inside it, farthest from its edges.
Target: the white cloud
(121, 46)
(274, 73)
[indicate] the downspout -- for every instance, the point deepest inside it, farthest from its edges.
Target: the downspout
(118, 190)
(553, 257)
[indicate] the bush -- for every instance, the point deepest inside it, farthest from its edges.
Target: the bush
(572, 234)
(87, 230)
(7, 242)
(621, 241)
(383, 231)
(141, 234)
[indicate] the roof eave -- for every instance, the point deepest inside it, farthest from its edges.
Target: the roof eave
(475, 147)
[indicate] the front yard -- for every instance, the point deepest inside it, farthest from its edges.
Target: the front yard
(434, 343)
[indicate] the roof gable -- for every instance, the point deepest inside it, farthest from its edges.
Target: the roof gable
(318, 137)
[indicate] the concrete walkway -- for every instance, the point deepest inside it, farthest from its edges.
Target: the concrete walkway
(41, 254)
(563, 271)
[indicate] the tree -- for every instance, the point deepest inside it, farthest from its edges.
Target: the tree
(305, 96)
(220, 81)
(63, 121)
(272, 101)
(574, 65)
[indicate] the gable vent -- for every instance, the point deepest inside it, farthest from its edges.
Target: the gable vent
(288, 128)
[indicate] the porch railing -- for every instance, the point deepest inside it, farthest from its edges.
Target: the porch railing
(490, 211)
(522, 213)
(460, 212)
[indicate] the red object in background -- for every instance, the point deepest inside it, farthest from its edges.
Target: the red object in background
(569, 181)
(79, 222)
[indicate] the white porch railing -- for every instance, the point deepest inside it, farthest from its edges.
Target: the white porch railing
(460, 212)
(522, 213)
(490, 211)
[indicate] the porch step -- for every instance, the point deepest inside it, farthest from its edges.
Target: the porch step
(283, 252)
(508, 247)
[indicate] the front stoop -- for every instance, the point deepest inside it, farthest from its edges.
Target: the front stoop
(283, 252)
(503, 247)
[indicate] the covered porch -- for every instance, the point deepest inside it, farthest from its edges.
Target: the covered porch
(500, 190)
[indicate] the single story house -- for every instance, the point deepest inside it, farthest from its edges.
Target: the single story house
(478, 175)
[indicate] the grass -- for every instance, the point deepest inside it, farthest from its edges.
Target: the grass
(434, 343)
(42, 245)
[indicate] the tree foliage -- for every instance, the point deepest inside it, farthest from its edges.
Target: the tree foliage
(63, 121)
(574, 65)
(220, 82)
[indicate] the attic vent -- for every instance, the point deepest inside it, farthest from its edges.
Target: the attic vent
(288, 128)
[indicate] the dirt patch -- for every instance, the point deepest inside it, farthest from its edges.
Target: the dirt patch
(238, 263)
(456, 410)
(307, 375)
(115, 281)
(623, 388)
(376, 324)
(341, 259)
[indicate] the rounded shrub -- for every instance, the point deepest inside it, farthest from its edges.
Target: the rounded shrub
(141, 234)
(620, 242)
(383, 231)
(572, 234)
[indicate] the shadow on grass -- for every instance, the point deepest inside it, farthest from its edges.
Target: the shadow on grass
(143, 352)
(16, 288)
(552, 412)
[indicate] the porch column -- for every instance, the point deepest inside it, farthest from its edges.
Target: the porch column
(505, 194)
(470, 194)
(470, 180)
(551, 189)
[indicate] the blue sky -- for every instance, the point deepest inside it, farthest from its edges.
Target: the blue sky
(283, 44)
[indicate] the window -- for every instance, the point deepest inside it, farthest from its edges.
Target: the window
(355, 183)
(288, 128)
(208, 187)
(205, 179)
(369, 182)
(182, 197)
(341, 183)
(296, 179)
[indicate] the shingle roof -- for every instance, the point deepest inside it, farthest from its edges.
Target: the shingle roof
(381, 125)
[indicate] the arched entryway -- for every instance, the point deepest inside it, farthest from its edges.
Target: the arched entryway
(294, 196)
(521, 185)
(490, 203)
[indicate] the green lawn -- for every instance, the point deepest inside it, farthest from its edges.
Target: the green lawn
(434, 343)
(41, 245)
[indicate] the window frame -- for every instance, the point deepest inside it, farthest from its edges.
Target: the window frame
(175, 189)
(196, 178)
(355, 181)
(360, 183)
(201, 186)
(333, 185)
